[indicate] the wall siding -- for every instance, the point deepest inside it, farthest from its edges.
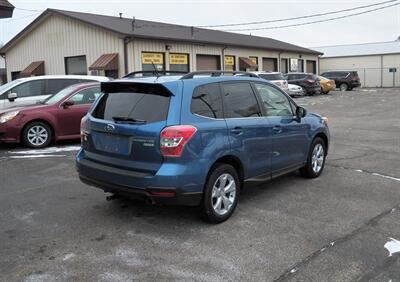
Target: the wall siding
(59, 37)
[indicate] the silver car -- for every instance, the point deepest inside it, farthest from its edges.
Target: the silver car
(295, 90)
(274, 77)
(31, 89)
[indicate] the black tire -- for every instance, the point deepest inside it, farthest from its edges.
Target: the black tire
(43, 141)
(308, 171)
(207, 210)
(349, 89)
(343, 87)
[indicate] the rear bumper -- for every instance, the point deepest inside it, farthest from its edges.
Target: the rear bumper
(355, 84)
(174, 184)
(178, 198)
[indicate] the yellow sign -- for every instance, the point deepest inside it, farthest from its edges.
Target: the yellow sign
(155, 58)
(254, 60)
(178, 59)
(229, 60)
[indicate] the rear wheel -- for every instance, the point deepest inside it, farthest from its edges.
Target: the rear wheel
(343, 87)
(37, 135)
(221, 194)
(316, 159)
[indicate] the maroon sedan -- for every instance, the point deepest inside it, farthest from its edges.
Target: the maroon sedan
(56, 118)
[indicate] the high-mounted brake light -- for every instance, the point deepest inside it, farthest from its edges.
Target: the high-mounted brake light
(174, 138)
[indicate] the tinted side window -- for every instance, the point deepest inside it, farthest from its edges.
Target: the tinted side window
(239, 100)
(207, 101)
(86, 96)
(29, 89)
(274, 101)
(55, 85)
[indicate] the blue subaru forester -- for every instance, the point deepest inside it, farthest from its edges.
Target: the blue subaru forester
(196, 139)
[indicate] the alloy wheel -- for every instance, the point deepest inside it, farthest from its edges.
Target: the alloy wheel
(37, 135)
(223, 194)
(317, 158)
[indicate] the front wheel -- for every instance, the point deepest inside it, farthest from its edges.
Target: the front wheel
(37, 135)
(315, 160)
(221, 194)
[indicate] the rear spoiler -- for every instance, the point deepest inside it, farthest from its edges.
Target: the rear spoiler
(135, 87)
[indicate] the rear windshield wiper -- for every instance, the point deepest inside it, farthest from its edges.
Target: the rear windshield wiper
(127, 120)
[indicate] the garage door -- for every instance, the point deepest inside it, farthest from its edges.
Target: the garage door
(311, 66)
(208, 62)
(270, 64)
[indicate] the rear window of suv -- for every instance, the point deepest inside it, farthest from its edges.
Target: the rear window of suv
(139, 103)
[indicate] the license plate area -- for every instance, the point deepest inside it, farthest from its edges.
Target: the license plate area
(112, 143)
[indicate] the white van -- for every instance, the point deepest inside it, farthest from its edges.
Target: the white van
(29, 90)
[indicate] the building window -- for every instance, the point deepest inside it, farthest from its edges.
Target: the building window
(151, 60)
(255, 61)
(179, 62)
(76, 65)
(229, 63)
(284, 65)
(300, 66)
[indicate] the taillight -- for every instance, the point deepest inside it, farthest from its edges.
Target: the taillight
(174, 138)
(354, 78)
(310, 81)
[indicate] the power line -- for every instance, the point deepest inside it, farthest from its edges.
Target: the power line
(20, 18)
(301, 17)
(29, 10)
(313, 22)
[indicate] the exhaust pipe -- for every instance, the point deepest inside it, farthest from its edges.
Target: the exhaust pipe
(150, 201)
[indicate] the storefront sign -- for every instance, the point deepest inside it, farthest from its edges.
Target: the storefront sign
(229, 60)
(178, 59)
(254, 60)
(155, 58)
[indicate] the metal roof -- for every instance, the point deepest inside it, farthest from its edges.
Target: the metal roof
(155, 30)
(366, 49)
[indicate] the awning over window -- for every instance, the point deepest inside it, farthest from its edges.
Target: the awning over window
(35, 68)
(246, 63)
(106, 62)
(6, 9)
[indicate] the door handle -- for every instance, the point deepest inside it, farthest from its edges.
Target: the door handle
(277, 128)
(237, 130)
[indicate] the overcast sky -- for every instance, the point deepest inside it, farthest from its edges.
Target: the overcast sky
(383, 25)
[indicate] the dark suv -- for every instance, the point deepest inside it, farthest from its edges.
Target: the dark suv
(345, 80)
(196, 139)
(308, 81)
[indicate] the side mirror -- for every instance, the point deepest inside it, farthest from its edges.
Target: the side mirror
(12, 96)
(67, 104)
(300, 112)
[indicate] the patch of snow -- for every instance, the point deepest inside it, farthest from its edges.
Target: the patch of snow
(50, 150)
(68, 256)
(293, 270)
(35, 156)
(393, 246)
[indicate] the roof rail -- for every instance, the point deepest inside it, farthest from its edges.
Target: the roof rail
(152, 72)
(216, 73)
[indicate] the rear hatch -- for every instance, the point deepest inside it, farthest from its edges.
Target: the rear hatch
(123, 129)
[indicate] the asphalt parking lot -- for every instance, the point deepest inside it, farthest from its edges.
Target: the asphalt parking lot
(334, 228)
